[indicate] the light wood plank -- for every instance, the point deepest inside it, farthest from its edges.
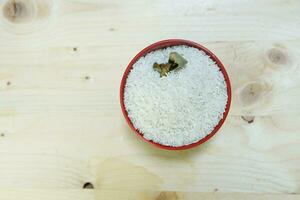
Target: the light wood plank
(39, 116)
(60, 122)
(129, 195)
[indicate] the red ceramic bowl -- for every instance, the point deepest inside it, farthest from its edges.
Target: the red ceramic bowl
(164, 44)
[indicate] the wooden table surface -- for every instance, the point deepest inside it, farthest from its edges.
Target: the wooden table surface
(61, 126)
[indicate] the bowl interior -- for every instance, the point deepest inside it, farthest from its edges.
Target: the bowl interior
(164, 44)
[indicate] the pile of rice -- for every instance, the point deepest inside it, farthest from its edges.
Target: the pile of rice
(178, 109)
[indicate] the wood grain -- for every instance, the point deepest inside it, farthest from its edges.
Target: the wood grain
(133, 195)
(61, 62)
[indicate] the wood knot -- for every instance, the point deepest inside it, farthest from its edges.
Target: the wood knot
(248, 119)
(167, 196)
(88, 185)
(277, 56)
(18, 11)
(251, 93)
(24, 11)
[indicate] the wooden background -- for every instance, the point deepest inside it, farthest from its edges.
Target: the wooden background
(61, 127)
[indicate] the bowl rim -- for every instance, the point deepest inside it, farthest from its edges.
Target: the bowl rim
(164, 44)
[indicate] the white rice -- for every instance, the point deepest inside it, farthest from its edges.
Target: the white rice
(178, 109)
